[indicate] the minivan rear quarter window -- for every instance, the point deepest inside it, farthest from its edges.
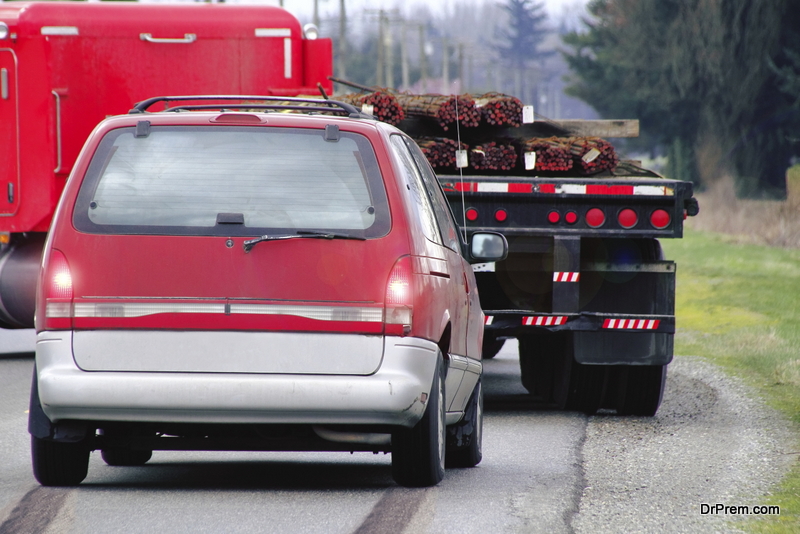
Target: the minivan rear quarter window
(187, 180)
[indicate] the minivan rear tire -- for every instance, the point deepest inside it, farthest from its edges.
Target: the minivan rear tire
(57, 463)
(418, 453)
(125, 457)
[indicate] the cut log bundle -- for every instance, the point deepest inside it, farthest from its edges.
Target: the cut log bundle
(498, 109)
(445, 109)
(593, 154)
(552, 154)
(440, 151)
(493, 157)
(385, 107)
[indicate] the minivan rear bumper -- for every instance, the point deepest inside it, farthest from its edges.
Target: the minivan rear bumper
(393, 395)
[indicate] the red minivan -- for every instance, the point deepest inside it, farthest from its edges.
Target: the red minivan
(235, 273)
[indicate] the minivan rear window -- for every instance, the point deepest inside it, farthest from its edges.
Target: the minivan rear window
(191, 180)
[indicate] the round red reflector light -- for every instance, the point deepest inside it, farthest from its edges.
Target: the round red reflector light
(472, 214)
(501, 215)
(595, 218)
(571, 217)
(627, 218)
(553, 217)
(660, 219)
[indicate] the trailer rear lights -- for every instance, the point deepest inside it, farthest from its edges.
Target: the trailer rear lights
(571, 217)
(553, 217)
(501, 215)
(471, 214)
(660, 219)
(595, 218)
(627, 218)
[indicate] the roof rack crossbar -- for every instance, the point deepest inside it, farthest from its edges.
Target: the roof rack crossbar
(326, 105)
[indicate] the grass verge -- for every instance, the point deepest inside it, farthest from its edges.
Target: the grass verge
(739, 306)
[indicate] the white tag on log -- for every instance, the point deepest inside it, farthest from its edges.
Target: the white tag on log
(527, 114)
(367, 109)
(530, 161)
(461, 159)
(591, 155)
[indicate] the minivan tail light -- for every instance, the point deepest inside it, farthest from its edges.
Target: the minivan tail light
(399, 298)
(58, 292)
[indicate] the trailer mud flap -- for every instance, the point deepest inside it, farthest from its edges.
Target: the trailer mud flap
(623, 348)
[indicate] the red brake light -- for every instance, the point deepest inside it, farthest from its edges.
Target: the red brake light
(471, 214)
(571, 217)
(501, 215)
(399, 298)
(627, 218)
(553, 217)
(595, 218)
(660, 219)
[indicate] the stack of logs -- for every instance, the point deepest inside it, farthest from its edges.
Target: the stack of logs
(498, 109)
(493, 157)
(446, 109)
(384, 104)
(440, 151)
(552, 154)
(593, 154)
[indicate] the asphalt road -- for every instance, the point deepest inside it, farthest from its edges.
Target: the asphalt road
(543, 471)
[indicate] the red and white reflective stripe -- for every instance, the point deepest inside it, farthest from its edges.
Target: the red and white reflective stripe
(565, 189)
(566, 276)
(544, 320)
(493, 187)
(631, 324)
(488, 319)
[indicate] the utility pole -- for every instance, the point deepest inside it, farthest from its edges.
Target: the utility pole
(316, 13)
(423, 64)
(379, 65)
(445, 66)
(404, 55)
(342, 73)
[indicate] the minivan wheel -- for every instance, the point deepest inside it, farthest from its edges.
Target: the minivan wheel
(57, 463)
(465, 438)
(125, 457)
(418, 453)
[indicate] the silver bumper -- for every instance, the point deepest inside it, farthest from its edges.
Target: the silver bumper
(390, 396)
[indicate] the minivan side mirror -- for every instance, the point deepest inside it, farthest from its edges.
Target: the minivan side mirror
(486, 247)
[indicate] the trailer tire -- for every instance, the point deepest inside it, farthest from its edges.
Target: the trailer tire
(465, 438)
(644, 390)
(491, 346)
(586, 387)
(418, 453)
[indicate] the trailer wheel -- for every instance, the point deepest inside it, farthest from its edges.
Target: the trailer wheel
(491, 346)
(586, 387)
(418, 453)
(57, 463)
(644, 389)
(465, 438)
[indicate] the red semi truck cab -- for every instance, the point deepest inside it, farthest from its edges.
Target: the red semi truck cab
(65, 66)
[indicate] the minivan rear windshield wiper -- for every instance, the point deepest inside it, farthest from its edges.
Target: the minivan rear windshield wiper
(328, 235)
(250, 243)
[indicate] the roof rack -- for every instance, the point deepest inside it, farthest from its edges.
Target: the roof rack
(295, 104)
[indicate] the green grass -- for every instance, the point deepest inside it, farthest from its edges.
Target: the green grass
(738, 305)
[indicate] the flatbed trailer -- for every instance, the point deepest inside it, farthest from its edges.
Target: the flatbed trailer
(585, 288)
